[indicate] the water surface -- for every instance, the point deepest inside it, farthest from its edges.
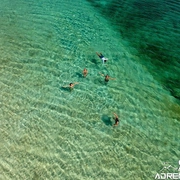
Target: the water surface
(48, 132)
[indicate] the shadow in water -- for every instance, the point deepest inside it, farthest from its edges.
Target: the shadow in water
(107, 120)
(94, 61)
(99, 82)
(79, 75)
(65, 89)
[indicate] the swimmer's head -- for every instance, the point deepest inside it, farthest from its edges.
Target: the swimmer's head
(105, 59)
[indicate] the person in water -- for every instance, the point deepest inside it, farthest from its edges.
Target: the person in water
(71, 85)
(107, 77)
(116, 119)
(102, 57)
(85, 72)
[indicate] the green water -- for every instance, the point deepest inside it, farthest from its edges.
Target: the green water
(48, 132)
(152, 28)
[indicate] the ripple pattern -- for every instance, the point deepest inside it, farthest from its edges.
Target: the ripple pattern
(48, 132)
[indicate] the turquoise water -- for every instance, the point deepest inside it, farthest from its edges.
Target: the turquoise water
(153, 29)
(48, 132)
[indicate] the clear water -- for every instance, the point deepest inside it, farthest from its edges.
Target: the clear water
(48, 132)
(153, 29)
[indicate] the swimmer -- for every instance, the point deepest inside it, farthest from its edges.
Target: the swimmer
(102, 57)
(107, 77)
(116, 119)
(71, 85)
(85, 72)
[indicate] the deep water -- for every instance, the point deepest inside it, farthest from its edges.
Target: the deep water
(153, 29)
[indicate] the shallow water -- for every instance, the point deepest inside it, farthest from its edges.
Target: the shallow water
(48, 132)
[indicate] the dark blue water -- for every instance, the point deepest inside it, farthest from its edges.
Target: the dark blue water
(153, 29)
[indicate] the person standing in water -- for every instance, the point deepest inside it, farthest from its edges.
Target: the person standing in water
(116, 119)
(102, 57)
(85, 72)
(107, 77)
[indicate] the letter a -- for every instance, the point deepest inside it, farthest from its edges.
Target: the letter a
(157, 176)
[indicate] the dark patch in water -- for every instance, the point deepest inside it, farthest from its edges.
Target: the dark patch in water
(153, 28)
(149, 10)
(157, 54)
(94, 61)
(175, 83)
(65, 89)
(79, 75)
(107, 120)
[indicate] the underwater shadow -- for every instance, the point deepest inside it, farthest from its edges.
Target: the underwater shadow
(79, 75)
(98, 81)
(65, 89)
(94, 61)
(107, 120)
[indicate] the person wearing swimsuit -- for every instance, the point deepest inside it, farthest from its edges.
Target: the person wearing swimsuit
(85, 72)
(71, 85)
(116, 119)
(102, 57)
(107, 77)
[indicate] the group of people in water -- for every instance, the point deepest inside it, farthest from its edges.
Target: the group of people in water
(106, 79)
